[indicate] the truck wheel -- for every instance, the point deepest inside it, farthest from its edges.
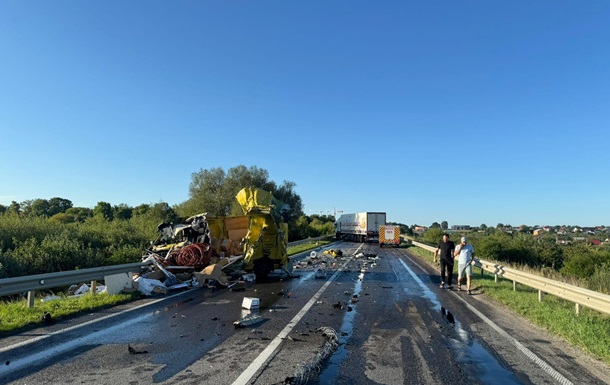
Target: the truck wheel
(262, 267)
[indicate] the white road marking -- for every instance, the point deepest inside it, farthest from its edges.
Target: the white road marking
(264, 357)
(75, 327)
(57, 351)
(531, 355)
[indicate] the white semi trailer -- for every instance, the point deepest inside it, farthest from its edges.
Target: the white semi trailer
(360, 227)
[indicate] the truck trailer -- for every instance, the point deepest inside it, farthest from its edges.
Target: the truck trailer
(389, 235)
(360, 227)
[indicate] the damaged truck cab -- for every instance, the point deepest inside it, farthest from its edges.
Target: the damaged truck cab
(261, 233)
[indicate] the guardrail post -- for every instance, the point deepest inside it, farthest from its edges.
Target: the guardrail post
(577, 309)
(514, 285)
(496, 278)
(540, 295)
(93, 287)
(31, 298)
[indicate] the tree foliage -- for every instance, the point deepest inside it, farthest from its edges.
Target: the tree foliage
(213, 191)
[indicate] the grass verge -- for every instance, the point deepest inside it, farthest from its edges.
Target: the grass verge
(16, 315)
(305, 246)
(590, 330)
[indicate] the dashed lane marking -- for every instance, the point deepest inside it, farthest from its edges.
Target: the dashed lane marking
(265, 356)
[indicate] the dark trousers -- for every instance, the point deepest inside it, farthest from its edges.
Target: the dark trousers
(449, 267)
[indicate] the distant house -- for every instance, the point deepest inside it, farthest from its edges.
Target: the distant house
(420, 229)
(538, 232)
(460, 227)
(596, 242)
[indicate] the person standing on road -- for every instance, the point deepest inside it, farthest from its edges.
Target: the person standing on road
(446, 247)
(465, 255)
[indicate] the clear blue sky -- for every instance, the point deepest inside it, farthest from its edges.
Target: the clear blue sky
(466, 111)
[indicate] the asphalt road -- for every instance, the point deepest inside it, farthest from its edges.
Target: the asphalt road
(400, 329)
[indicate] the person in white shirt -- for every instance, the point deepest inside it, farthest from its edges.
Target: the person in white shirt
(465, 255)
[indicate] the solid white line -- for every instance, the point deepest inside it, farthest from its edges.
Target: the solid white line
(531, 355)
(71, 328)
(57, 351)
(269, 351)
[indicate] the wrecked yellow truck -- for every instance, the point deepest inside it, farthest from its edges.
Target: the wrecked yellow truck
(260, 236)
(261, 233)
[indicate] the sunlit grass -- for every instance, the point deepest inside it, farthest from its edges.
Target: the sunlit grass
(15, 314)
(589, 330)
(305, 246)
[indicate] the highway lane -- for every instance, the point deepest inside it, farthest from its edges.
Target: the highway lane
(402, 329)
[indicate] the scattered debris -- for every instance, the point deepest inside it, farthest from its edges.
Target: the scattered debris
(149, 286)
(134, 351)
(250, 303)
(320, 273)
(303, 371)
(334, 253)
(250, 319)
(46, 318)
(50, 298)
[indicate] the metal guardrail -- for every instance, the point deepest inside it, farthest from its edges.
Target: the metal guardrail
(28, 283)
(581, 297)
(31, 283)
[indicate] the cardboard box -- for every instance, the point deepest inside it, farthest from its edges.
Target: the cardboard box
(212, 272)
(251, 303)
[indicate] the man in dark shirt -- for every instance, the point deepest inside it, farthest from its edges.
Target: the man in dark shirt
(446, 247)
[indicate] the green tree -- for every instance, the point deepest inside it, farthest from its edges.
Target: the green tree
(435, 225)
(209, 193)
(3, 209)
(483, 226)
(433, 235)
(62, 218)
(80, 214)
(103, 210)
(213, 191)
(58, 205)
(35, 207)
(14, 208)
(444, 225)
(122, 211)
(285, 192)
(140, 210)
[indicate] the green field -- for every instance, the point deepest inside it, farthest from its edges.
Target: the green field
(590, 330)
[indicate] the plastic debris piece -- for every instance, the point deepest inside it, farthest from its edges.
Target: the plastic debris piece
(49, 298)
(248, 320)
(149, 286)
(250, 303)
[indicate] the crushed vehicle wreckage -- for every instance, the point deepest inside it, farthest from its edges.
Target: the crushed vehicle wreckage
(217, 251)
